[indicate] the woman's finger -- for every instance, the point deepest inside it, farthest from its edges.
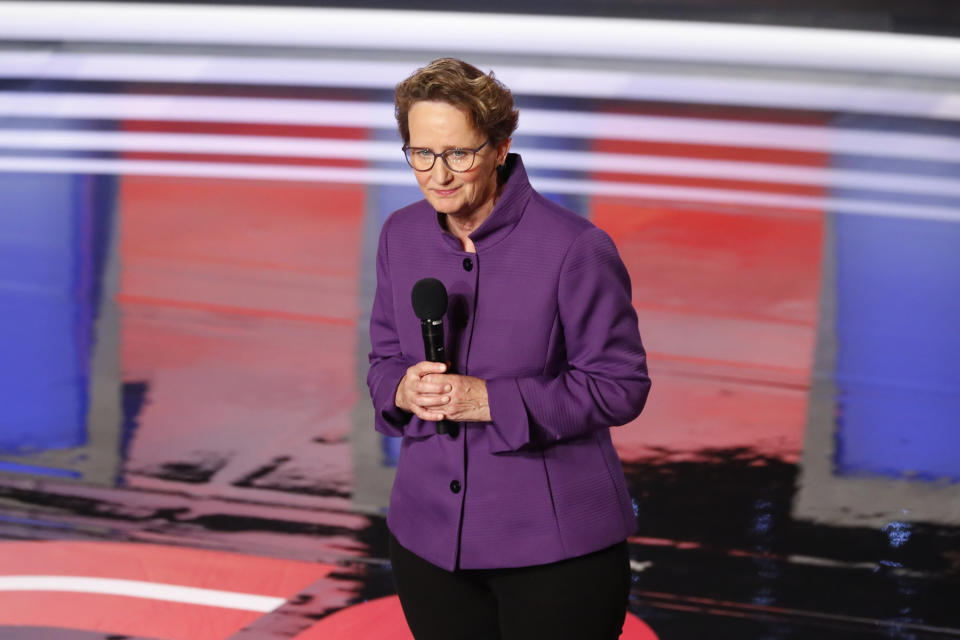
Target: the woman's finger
(432, 400)
(432, 416)
(426, 368)
(434, 387)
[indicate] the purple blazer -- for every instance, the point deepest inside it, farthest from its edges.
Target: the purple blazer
(542, 312)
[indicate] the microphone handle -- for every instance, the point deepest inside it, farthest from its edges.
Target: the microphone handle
(433, 340)
(435, 352)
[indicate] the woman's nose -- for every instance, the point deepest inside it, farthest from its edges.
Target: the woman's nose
(440, 172)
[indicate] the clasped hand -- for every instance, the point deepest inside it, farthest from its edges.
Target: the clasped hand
(430, 393)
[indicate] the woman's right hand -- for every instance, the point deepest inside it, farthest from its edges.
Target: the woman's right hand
(420, 398)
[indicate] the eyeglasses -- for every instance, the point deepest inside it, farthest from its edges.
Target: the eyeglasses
(457, 160)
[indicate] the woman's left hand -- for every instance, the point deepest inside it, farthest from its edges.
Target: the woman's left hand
(468, 397)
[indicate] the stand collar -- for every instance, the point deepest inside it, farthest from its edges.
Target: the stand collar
(507, 211)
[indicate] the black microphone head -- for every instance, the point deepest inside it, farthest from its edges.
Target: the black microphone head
(429, 298)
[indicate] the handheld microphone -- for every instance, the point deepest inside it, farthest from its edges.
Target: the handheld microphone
(429, 298)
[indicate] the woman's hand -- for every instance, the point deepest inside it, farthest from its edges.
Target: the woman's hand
(430, 394)
(421, 397)
(466, 397)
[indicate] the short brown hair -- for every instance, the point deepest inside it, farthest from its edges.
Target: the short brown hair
(485, 99)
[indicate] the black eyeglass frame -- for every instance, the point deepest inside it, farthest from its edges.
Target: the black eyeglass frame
(443, 157)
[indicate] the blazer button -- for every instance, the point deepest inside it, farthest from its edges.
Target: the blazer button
(468, 264)
(455, 486)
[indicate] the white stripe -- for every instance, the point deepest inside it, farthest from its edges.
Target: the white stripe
(512, 34)
(949, 108)
(737, 198)
(141, 589)
(201, 143)
(724, 197)
(207, 170)
(198, 109)
(53, 139)
(552, 81)
(571, 124)
(742, 171)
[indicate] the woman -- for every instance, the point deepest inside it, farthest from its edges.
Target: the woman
(513, 524)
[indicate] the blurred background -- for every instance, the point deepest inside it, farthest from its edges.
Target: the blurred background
(190, 197)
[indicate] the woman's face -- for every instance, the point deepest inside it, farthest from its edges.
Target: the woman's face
(439, 126)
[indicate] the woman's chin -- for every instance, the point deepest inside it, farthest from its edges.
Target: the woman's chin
(442, 205)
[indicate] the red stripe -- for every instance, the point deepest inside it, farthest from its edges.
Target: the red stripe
(150, 563)
(274, 160)
(248, 129)
(712, 183)
(121, 616)
(162, 564)
(735, 298)
(713, 152)
(232, 310)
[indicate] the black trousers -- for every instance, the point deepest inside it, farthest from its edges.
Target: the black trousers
(583, 598)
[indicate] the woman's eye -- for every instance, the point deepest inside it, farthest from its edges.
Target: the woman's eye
(458, 154)
(423, 153)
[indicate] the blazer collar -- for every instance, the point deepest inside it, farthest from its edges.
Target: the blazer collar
(509, 207)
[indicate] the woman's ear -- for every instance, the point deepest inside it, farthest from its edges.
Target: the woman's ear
(502, 150)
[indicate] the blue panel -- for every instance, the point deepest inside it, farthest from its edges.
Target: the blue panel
(53, 238)
(898, 346)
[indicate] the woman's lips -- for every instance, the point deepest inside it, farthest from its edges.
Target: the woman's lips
(445, 192)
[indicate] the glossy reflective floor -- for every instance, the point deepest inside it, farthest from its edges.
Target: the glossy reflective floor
(184, 349)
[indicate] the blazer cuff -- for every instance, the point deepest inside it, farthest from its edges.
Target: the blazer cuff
(509, 429)
(389, 418)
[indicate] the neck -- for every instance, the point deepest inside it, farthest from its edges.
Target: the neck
(461, 226)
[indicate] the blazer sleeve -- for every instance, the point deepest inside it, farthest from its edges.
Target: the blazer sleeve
(388, 364)
(605, 382)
